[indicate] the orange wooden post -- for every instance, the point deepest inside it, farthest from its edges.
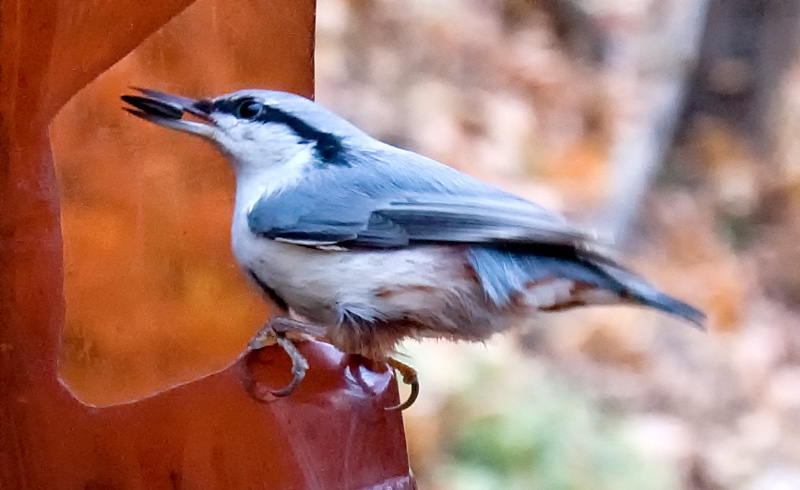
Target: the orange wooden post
(332, 433)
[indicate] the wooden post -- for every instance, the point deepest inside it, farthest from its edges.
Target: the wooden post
(332, 433)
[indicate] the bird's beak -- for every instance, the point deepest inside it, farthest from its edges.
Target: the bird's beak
(168, 111)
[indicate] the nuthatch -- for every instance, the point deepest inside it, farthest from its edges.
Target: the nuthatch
(370, 244)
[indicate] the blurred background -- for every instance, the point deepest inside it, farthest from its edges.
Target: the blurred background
(670, 127)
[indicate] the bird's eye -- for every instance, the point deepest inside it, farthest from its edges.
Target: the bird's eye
(249, 109)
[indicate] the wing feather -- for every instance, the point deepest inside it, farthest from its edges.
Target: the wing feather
(465, 220)
(384, 201)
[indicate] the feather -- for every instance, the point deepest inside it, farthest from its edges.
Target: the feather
(391, 202)
(504, 272)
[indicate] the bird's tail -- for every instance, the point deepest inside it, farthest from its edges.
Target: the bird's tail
(638, 290)
(504, 273)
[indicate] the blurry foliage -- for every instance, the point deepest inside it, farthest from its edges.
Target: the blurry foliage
(551, 437)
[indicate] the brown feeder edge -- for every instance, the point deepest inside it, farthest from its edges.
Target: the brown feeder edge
(333, 433)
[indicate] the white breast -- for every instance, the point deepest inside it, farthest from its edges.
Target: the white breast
(322, 285)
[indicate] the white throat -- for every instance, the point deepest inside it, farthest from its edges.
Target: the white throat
(254, 181)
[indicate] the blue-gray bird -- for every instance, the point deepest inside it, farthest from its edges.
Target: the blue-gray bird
(363, 244)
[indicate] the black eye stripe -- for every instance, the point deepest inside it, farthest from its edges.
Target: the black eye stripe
(328, 146)
(228, 106)
(204, 106)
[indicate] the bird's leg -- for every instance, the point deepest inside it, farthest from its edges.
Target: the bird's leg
(281, 324)
(275, 331)
(409, 378)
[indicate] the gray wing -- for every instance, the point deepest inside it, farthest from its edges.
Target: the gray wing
(389, 198)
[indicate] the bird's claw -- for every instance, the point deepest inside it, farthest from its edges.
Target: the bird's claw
(410, 378)
(299, 365)
(275, 332)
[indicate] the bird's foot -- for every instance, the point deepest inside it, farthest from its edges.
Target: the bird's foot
(410, 378)
(276, 331)
(280, 324)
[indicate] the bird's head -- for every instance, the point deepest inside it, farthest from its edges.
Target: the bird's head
(256, 129)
